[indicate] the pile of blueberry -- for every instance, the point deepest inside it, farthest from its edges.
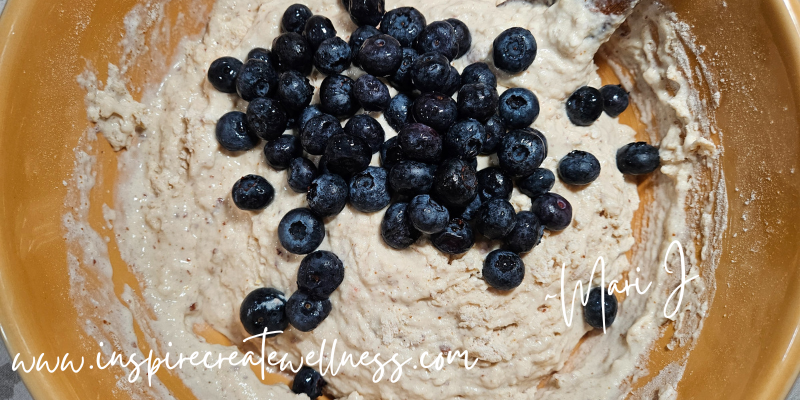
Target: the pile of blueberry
(428, 175)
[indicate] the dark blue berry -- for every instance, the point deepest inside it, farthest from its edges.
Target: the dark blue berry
(366, 12)
(495, 132)
(380, 55)
(496, 218)
(306, 115)
(308, 381)
(316, 132)
(252, 192)
(438, 36)
(411, 177)
(317, 29)
(539, 182)
(401, 79)
(456, 238)
(431, 72)
(368, 129)
(541, 136)
(471, 211)
(295, 17)
(420, 142)
(336, 96)
(404, 24)
(518, 107)
(553, 211)
(292, 52)
(369, 190)
(593, 311)
(301, 173)
(478, 72)
(584, 106)
(391, 153)
(222, 74)
(436, 110)
(476, 100)
(263, 310)
(427, 215)
(281, 151)
(494, 184)
(514, 50)
(503, 270)
(301, 231)
(345, 155)
(358, 37)
(463, 37)
(578, 168)
(256, 79)
(520, 153)
(260, 53)
(464, 139)
(305, 312)
(294, 92)
(615, 99)
(638, 158)
(527, 233)
(453, 82)
(232, 133)
(399, 114)
(371, 93)
(320, 273)
(455, 183)
(333, 56)
(396, 230)
(266, 118)
(327, 195)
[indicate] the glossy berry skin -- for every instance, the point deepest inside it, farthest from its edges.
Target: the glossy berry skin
(411, 177)
(496, 218)
(327, 195)
(256, 79)
(301, 173)
(404, 24)
(494, 184)
(306, 115)
(431, 72)
(266, 118)
(346, 155)
(222, 74)
(527, 233)
(317, 131)
(518, 107)
(305, 312)
(262, 310)
(438, 36)
(396, 230)
(436, 110)
(391, 153)
(427, 215)
(593, 310)
(368, 129)
(358, 37)
(301, 231)
(456, 238)
(464, 139)
(252, 192)
(367, 12)
(292, 52)
(399, 112)
(578, 168)
(514, 50)
(453, 82)
(584, 106)
(295, 17)
(333, 56)
(495, 132)
(471, 211)
(281, 151)
(401, 79)
(308, 381)
(260, 53)
(320, 273)
(371, 93)
(380, 55)
(455, 183)
(420, 142)
(317, 29)
(478, 72)
(232, 133)
(615, 99)
(553, 211)
(520, 153)
(539, 182)
(638, 158)
(294, 91)
(463, 37)
(369, 190)
(336, 96)
(478, 101)
(503, 270)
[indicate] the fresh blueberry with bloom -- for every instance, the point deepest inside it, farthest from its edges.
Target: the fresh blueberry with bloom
(260, 53)
(336, 96)
(527, 233)
(256, 79)
(327, 195)
(578, 168)
(455, 238)
(478, 72)
(346, 155)
(301, 231)
(455, 183)
(471, 210)
(638, 158)
(404, 24)
(438, 36)
(431, 72)
(292, 52)
(263, 310)
(478, 101)
(369, 190)
(411, 177)
(520, 153)
(222, 74)
(295, 17)
(308, 113)
(453, 82)
(366, 12)
(232, 133)
(496, 218)
(391, 153)
(317, 29)
(252, 192)
(305, 312)
(584, 106)
(539, 182)
(553, 211)
(301, 173)
(494, 184)
(593, 311)
(317, 131)
(503, 270)
(368, 129)
(518, 107)
(320, 273)
(427, 215)
(463, 37)
(401, 79)
(615, 99)
(464, 139)
(308, 381)
(420, 142)
(399, 112)
(495, 132)
(514, 50)
(436, 110)
(396, 229)
(358, 37)
(294, 91)
(266, 118)
(281, 151)
(371, 93)
(333, 56)
(380, 55)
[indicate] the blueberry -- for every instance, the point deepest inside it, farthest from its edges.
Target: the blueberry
(494, 184)
(347, 155)
(336, 96)
(427, 215)
(295, 17)
(316, 132)
(252, 192)
(391, 153)
(369, 190)
(266, 118)
(294, 91)
(476, 100)
(260, 53)
(368, 129)
(514, 50)
(463, 37)
(478, 72)
(453, 82)
(539, 182)
(366, 12)
(464, 139)
(638, 158)
(223, 72)
(333, 56)
(317, 29)
(438, 36)
(470, 212)
(615, 99)
(396, 230)
(584, 106)
(380, 55)
(578, 168)
(411, 177)
(455, 183)
(399, 114)
(301, 173)
(431, 72)
(292, 52)
(232, 133)
(281, 151)
(320, 273)
(593, 311)
(527, 233)
(420, 142)
(305, 313)
(518, 107)
(541, 136)
(308, 113)
(404, 24)
(358, 37)
(496, 218)
(308, 381)
(263, 310)
(553, 211)
(401, 79)
(456, 238)
(371, 93)
(495, 132)
(503, 270)
(327, 195)
(256, 79)
(301, 231)
(435, 110)
(520, 153)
